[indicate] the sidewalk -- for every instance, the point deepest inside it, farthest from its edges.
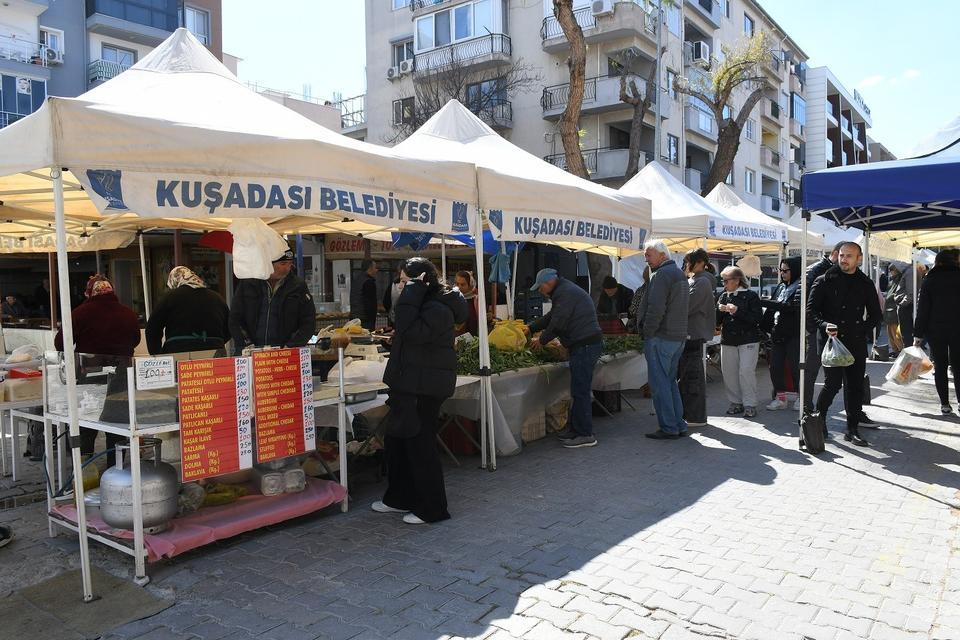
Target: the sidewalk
(730, 533)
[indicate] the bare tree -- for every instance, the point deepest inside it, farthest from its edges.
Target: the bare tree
(640, 101)
(577, 65)
(740, 71)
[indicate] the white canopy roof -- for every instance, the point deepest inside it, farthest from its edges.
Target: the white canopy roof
(177, 135)
(685, 219)
(526, 197)
(727, 200)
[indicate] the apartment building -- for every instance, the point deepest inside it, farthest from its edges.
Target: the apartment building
(405, 39)
(65, 47)
(837, 123)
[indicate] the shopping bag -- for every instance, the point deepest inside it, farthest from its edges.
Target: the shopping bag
(835, 354)
(508, 335)
(910, 365)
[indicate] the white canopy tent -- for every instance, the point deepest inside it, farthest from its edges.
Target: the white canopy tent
(178, 136)
(724, 198)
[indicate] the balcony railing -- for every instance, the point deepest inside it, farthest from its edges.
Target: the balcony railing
(9, 118)
(770, 157)
(700, 121)
(604, 163)
(20, 50)
(771, 205)
(498, 116)
(464, 52)
(597, 91)
(551, 26)
(416, 5)
(589, 159)
(103, 70)
(353, 112)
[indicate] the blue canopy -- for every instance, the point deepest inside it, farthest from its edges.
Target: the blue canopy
(419, 241)
(912, 194)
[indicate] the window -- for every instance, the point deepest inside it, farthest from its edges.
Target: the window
(673, 149)
(452, 25)
(671, 79)
(751, 130)
(703, 114)
(20, 97)
(729, 178)
(123, 57)
(51, 38)
(798, 108)
(727, 112)
(401, 4)
(725, 9)
(197, 22)
(749, 26)
(402, 111)
(486, 94)
(750, 181)
(674, 18)
(402, 51)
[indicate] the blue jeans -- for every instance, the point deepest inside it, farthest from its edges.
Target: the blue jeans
(583, 360)
(663, 360)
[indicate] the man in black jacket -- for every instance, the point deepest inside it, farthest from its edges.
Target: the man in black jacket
(363, 294)
(277, 312)
(844, 304)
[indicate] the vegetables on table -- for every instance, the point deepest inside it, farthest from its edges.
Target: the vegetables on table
(468, 354)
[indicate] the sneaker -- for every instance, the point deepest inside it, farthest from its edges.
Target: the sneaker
(659, 434)
(580, 441)
(867, 422)
(735, 410)
(412, 519)
(380, 507)
(750, 412)
(6, 535)
(567, 434)
(777, 405)
(945, 409)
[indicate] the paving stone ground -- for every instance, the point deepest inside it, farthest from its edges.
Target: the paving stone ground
(730, 533)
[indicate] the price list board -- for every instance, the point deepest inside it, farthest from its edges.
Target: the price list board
(215, 430)
(283, 401)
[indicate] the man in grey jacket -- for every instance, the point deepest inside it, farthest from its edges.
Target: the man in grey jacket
(664, 312)
(573, 319)
(701, 327)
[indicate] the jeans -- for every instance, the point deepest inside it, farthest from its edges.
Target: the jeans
(946, 353)
(851, 379)
(663, 362)
(583, 361)
(692, 380)
(739, 366)
(783, 355)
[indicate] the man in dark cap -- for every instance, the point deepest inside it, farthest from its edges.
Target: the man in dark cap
(615, 298)
(278, 311)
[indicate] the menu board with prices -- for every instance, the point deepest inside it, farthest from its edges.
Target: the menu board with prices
(283, 401)
(215, 431)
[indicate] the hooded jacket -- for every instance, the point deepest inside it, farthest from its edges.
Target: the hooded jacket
(282, 318)
(701, 311)
(663, 310)
(103, 326)
(422, 360)
(843, 300)
(938, 304)
(782, 314)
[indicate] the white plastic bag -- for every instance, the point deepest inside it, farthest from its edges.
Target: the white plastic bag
(910, 365)
(255, 247)
(26, 353)
(835, 354)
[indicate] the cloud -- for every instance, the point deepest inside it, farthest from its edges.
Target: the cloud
(891, 81)
(871, 81)
(910, 74)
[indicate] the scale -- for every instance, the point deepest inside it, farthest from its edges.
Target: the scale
(365, 351)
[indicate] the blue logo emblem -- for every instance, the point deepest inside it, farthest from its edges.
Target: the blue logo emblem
(106, 184)
(496, 218)
(460, 223)
(712, 227)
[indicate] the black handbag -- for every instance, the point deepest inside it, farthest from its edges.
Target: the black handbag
(812, 426)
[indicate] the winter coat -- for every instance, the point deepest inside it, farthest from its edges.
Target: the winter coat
(663, 310)
(614, 306)
(816, 270)
(843, 300)
(103, 326)
(390, 297)
(938, 307)
(363, 298)
(701, 312)
(742, 327)
(188, 319)
(422, 359)
(282, 318)
(572, 318)
(782, 316)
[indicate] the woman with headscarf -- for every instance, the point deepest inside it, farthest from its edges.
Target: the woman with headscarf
(782, 321)
(190, 317)
(739, 313)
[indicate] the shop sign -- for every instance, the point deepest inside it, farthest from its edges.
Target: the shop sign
(339, 243)
(154, 373)
(283, 400)
(215, 417)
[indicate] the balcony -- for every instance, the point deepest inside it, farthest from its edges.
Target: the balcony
(147, 22)
(420, 7)
(99, 71)
(795, 171)
(629, 18)
(700, 122)
(797, 129)
(478, 53)
(708, 9)
(353, 115)
(845, 126)
(773, 68)
(770, 159)
(773, 112)
(496, 116)
(831, 112)
(603, 164)
(692, 179)
(796, 84)
(9, 118)
(771, 206)
(24, 58)
(599, 95)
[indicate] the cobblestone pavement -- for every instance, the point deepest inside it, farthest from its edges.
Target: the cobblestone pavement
(731, 533)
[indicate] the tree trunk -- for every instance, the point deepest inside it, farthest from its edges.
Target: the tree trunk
(728, 142)
(577, 64)
(636, 128)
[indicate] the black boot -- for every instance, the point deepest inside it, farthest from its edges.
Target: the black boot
(853, 435)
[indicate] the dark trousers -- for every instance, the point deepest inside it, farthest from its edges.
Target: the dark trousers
(851, 379)
(946, 352)
(812, 368)
(583, 360)
(414, 470)
(905, 315)
(784, 355)
(692, 380)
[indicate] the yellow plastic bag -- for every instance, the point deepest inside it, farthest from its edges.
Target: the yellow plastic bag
(508, 335)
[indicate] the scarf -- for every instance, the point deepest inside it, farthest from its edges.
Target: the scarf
(180, 276)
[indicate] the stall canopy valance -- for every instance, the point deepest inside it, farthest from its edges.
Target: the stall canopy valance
(724, 198)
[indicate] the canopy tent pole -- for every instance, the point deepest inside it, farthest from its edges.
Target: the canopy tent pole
(803, 315)
(96, 255)
(298, 254)
(913, 255)
(443, 257)
(143, 275)
(513, 275)
(54, 298)
(63, 275)
(508, 284)
(487, 438)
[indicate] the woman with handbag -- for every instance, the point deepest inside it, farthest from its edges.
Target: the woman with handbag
(782, 321)
(421, 374)
(739, 313)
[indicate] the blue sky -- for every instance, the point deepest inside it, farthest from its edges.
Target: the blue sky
(897, 54)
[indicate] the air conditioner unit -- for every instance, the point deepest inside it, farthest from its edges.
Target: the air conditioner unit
(393, 73)
(406, 66)
(701, 52)
(602, 7)
(53, 56)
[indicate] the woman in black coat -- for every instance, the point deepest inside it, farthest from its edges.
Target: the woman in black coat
(937, 322)
(739, 313)
(421, 374)
(189, 317)
(782, 320)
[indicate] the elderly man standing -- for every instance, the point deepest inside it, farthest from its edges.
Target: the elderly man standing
(664, 313)
(573, 319)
